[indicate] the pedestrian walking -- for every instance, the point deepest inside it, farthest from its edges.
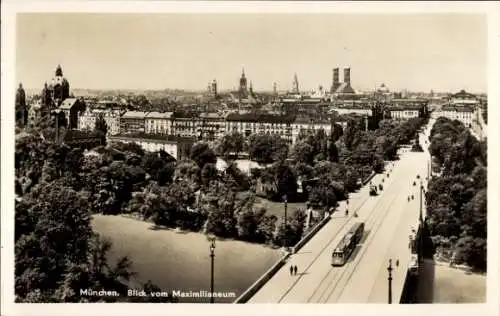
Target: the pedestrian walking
(295, 270)
(291, 270)
(397, 263)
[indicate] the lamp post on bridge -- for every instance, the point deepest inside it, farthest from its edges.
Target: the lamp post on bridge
(285, 200)
(212, 256)
(389, 269)
(421, 220)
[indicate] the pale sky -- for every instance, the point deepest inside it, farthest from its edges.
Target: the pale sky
(419, 52)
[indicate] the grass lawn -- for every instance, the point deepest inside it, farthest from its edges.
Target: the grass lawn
(456, 286)
(176, 260)
(278, 208)
(439, 283)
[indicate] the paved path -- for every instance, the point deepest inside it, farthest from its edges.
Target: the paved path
(388, 220)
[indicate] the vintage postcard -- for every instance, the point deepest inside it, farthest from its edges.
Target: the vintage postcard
(174, 155)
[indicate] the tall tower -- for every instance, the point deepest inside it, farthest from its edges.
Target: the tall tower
(243, 82)
(209, 88)
(251, 88)
(214, 88)
(60, 87)
(295, 88)
(347, 76)
(336, 80)
(275, 88)
(21, 109)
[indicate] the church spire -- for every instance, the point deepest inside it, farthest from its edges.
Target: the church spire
(59, 71)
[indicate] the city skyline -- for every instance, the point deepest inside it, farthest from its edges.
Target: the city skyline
(416, 52)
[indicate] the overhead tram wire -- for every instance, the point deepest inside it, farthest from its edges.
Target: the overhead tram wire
(328, 244)
(337, 271)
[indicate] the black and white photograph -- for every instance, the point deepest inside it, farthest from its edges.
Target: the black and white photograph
(246, 157)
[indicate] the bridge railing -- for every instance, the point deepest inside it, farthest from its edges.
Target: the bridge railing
(243, 298)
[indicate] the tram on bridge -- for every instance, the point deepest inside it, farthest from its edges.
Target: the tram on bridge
(347, 245)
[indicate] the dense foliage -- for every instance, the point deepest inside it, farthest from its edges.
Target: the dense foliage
(456, 201)
(59, 187)
(56, 251)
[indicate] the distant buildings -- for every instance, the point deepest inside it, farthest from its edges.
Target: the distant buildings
(466, 108)
(462, 113)
(158, 123)
(72, 107)
(286, 115)
(133, 122)
(344, 89)
(178, 147)
(464, 98)
(404, 109)
(252, 123)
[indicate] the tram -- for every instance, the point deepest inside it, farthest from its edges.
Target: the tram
(347, 245)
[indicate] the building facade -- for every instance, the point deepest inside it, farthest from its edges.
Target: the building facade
(249, 124)
(211, 126)
(404, 113)
(159, 123)
(463, 98)
(185, 124)
(72, 109)
(88, 119)
(301, 125)
(464, 114)
(177, 147)
(133, 122)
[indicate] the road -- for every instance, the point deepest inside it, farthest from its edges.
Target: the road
(388, 219)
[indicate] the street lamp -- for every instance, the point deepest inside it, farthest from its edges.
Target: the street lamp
(389, 269)
(421, 217)
(429, 171)
(212, 256)
(285, 200)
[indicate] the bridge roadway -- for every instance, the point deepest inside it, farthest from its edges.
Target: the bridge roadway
(388, 217)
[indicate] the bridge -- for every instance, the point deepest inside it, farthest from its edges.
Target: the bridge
(389, 220)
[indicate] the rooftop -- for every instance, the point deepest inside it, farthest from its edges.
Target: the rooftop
(134, 114)
(345, 88)
(264, 118)
(68, 103)
(152, 137)
(457, 108)
(159, 115)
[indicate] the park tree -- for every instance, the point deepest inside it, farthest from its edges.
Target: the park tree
(267, 148)
(303, 152)
(187, 170)
(231, 143)
(208, 173)
(201, 153)
(50, 234)
(101, 128)
(235, 179)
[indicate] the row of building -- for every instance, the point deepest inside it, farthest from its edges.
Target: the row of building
(208, 126)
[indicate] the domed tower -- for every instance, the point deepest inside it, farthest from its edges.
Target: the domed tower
(60, 87)
(20, 96)
(21, 109)
(46, 102)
